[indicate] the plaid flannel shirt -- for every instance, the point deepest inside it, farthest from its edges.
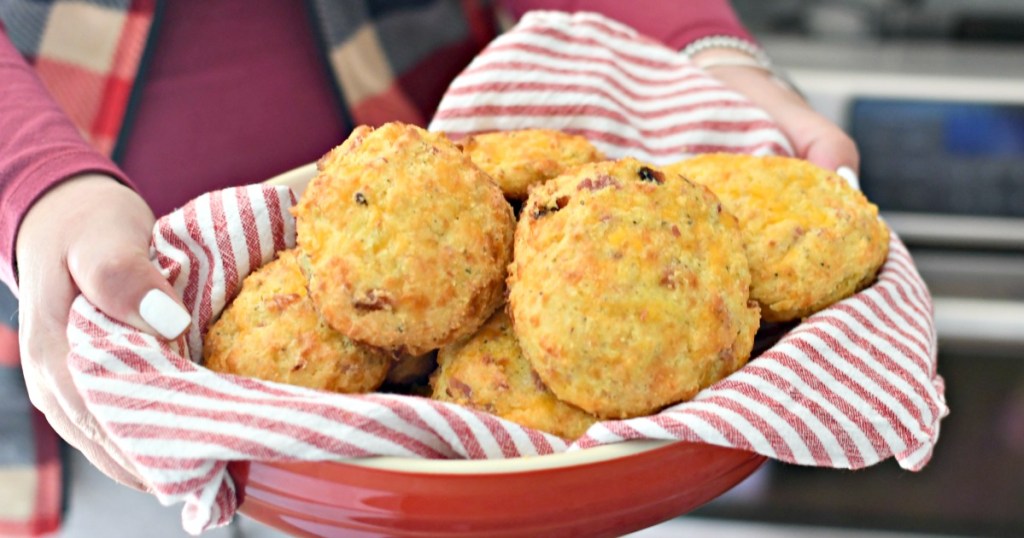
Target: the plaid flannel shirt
(30, 466)
(390, 60)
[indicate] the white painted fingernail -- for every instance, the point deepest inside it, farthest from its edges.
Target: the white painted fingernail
(164, 314)
(849, 175)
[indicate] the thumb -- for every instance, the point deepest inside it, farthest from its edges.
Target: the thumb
(109, 260)
(832, 149)
(814, 137)
(837, 153)
(116, 275)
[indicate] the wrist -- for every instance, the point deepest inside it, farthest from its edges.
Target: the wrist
(66, 209)
(734, 69)
(70, 196)
(730, 60)
(724, 56)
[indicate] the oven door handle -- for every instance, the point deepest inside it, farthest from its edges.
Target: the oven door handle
(980, 321)
(952, 231)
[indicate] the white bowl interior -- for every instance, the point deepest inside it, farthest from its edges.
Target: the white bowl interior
(296, 178)
(511, 465)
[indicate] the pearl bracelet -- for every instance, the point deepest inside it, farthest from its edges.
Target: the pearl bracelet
(755, 58)
(729, 42)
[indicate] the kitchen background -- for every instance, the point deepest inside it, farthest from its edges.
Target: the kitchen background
(933, 93)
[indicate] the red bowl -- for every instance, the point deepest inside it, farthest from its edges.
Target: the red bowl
(602, 491)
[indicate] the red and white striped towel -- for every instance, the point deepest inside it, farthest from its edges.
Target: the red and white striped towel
(868, 362)
(849, 387)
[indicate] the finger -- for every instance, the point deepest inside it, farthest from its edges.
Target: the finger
(59, 219)
(83, 433)
(108, 260)
(51, 390)
(831, 149)
(118, 277)
(814, 137)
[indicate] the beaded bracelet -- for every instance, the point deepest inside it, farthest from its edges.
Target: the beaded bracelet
(728, 42)
(757, 58)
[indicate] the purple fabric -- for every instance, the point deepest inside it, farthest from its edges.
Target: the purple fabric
(235, 92)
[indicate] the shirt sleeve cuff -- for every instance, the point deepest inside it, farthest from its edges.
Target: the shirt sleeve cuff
(19, 196)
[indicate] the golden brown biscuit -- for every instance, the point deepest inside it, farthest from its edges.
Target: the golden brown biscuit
(518, 159)
(488, 372)
(405, 240)
(271, 331)
(629, 288)
(810, 238)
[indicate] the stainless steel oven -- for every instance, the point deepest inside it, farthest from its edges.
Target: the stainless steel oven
(941, 133)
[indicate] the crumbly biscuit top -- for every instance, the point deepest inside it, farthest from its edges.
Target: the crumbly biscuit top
(629, 288)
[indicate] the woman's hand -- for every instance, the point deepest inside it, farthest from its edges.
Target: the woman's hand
(87, 235)
(814, 137)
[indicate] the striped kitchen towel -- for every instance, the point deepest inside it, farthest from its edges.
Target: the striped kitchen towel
(589, 75)
(869, 362)
(850, 386)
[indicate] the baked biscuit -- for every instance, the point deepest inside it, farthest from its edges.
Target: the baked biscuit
(488, 372)
(271, 331)
(405, 240)
(810, 238)
(518, 159)
(629, 288)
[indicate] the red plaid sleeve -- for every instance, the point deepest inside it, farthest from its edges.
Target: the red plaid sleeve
(89, 72)
(30, 464)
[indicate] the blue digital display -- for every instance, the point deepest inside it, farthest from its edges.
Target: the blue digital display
(940, 156)
(967, 129)
(984, 130)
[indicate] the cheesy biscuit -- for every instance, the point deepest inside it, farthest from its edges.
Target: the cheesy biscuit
(518, 159)
(811, 239)
(405, 241)
(629, 288)
(271, 331)
(487, 372)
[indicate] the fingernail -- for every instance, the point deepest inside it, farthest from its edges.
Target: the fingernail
(164, 314)
(849, 175)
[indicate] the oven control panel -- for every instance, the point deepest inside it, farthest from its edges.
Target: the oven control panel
(944, 157)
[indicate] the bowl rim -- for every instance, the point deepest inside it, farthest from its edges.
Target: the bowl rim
(295, 178)
(522, 464)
